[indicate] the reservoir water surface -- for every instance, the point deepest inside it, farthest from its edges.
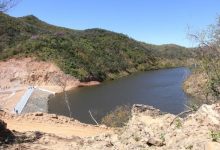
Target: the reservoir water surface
(160, 88)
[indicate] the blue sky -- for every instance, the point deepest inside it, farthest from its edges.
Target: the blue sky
(150, 21)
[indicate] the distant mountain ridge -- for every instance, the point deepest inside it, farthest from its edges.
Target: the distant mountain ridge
(92, 54)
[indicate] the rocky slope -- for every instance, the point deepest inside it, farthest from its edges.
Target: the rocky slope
(147, 129)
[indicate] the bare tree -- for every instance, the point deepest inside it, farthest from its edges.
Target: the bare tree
(61, 80)
(209, 57)
(90, 113)
(5, 5)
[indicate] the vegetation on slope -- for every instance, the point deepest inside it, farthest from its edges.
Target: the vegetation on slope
(204, 83)
(171, 55)
(93, 54)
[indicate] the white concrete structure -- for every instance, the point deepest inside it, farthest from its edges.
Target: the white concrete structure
(23, 101)
(21, 104)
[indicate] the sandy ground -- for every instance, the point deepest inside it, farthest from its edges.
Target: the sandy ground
(52, 124)
(9, 100)
(60, 130)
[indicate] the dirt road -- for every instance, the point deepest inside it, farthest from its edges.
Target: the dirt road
(53, 124)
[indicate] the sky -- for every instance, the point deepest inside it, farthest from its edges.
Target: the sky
(150, 21)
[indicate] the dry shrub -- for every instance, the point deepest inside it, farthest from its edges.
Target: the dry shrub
(118, 117)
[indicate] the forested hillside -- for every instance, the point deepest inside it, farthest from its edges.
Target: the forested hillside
(92, 54)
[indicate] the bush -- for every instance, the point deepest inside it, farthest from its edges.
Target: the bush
(118, 117)
(215, 135)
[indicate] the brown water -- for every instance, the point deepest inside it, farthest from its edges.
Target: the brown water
(161, 89)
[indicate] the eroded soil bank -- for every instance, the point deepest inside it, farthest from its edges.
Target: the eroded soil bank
(17, 74)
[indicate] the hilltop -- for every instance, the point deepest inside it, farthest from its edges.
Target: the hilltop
(92, 54)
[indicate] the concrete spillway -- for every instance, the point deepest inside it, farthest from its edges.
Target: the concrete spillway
(21, 104)
(29, 96)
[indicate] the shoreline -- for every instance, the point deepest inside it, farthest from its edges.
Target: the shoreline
(29, 74)
(58, 89)
(10, 98)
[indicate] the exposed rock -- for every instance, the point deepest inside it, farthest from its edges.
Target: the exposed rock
(209, 114)
(155, 142)
(146, 129)
(39, 114)
(54, 116)
(149, 110)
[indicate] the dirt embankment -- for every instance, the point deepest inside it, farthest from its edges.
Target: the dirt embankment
(17, 74)
(148, 128)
